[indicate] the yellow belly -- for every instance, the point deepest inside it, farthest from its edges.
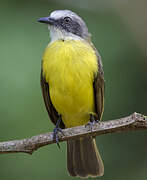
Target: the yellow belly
(69, 68)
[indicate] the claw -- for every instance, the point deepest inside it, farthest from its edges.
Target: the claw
(55, 135)
(92, 122)
(56, 130)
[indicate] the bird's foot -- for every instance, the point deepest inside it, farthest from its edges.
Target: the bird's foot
(57, 130)
(92, 122)
(56, 136)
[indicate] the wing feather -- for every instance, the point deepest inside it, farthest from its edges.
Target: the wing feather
(99, 87)
(53, 114)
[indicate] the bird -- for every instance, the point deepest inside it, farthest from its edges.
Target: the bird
(72, 81)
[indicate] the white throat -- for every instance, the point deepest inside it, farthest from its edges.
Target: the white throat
(57, 34)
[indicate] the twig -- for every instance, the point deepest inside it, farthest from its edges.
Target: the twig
(131, 123)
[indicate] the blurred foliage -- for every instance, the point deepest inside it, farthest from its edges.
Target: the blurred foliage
(22, 110)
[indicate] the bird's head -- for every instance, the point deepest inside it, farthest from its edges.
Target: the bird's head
(65, 24)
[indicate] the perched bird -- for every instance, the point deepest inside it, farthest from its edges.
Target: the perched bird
(73, 87)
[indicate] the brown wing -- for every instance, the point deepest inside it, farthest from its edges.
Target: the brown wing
(53, 114)
(98, 86)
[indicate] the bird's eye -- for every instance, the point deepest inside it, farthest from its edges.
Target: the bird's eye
(67, 19)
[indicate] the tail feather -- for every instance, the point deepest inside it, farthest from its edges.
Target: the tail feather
(83, 158)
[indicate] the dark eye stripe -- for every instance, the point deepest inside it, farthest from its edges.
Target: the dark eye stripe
(70, 25)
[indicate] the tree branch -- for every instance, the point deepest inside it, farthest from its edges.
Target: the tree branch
(131, 123)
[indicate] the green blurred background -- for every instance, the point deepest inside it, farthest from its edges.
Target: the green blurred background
(118, 31)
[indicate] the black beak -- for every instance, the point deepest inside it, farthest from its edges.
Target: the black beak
(47, 20)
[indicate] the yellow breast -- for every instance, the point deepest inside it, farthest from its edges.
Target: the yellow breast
(69, 68)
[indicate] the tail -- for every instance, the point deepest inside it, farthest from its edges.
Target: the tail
(83, 158)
